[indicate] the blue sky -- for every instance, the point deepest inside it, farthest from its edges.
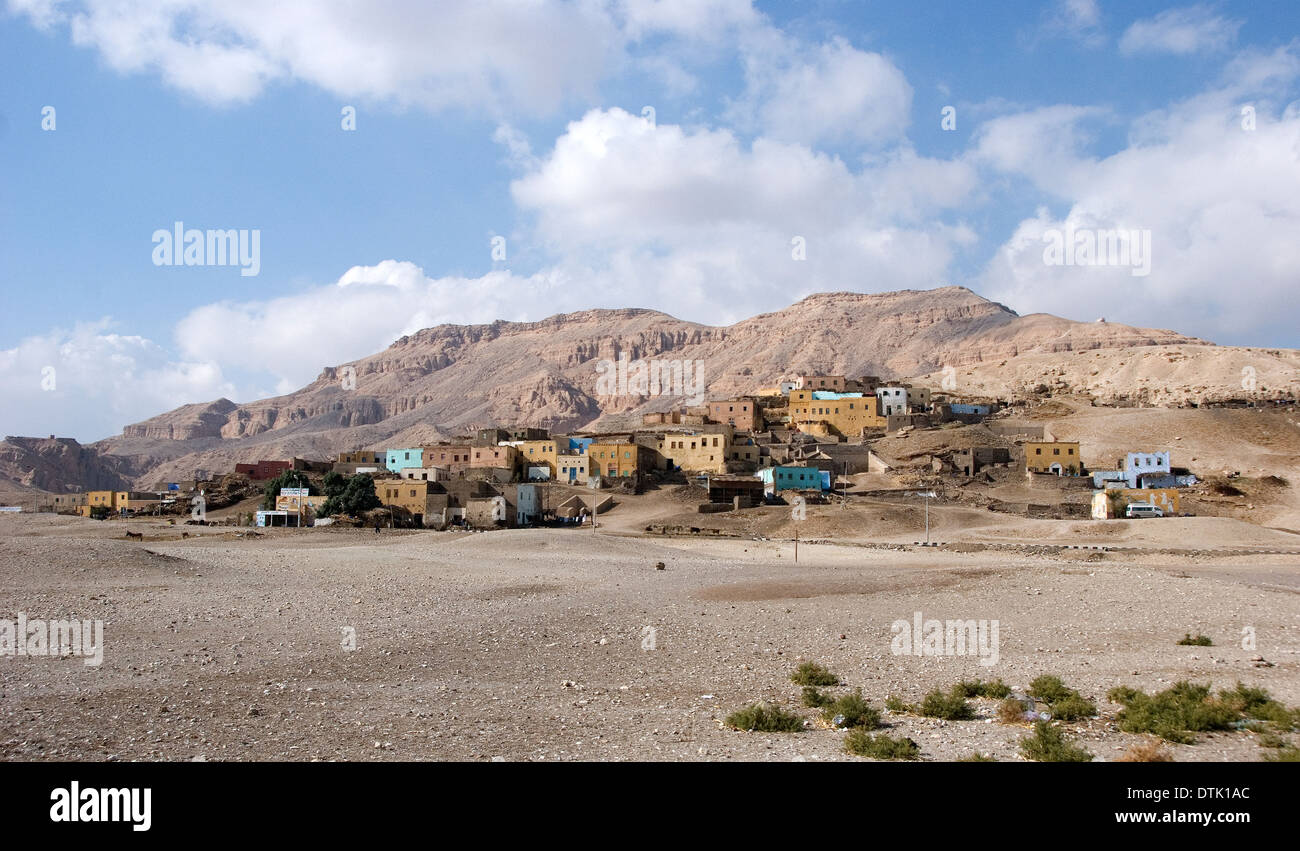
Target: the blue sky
(772, 121)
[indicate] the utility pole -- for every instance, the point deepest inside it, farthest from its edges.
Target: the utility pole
(796, 545)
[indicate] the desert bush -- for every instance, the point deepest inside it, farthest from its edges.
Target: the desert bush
(977, 757)
(1073, 708)
(949, 706)
(1011, 711)
(812, 674)
(1049, 744)
(814, 699)
(854, 710)
(976, 688)
(896, 704)
(1287, 754)
(1152, 750)
(1198, 641)
(762, 718)
(861, 743)
(1258, 704)
(1063, 702)
(1175, 713)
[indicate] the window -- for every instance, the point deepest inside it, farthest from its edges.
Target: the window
(1038, 450)
(1056, 451)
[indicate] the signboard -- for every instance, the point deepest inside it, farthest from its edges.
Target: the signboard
(172, 486)
(294, 491)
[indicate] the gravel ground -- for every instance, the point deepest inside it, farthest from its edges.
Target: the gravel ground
(534, 644)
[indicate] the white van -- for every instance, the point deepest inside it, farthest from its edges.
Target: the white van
(1143, 509)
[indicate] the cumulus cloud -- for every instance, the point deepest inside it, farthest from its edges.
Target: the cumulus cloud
(698, 222)
(88, 381)
(1191, 29)
(1221, 202)
(482, 55)
(831, 93)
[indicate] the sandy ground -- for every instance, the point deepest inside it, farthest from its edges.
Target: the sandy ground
(536, 644)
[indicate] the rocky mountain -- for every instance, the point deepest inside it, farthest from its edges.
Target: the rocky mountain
(451, 379)
(56, 464)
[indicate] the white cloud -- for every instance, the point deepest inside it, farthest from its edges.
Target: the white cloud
(1078, 20)
(830, 93)
(88, 382)
(1222, 204)
(483, 55)
(701, 225)
(1191, 29)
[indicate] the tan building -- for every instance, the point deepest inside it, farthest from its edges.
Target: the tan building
(453, 457)
(98, 499)
(420, 498)
(741, 413)
(619, 460)
(541, 453)
(427, 474)
(844, 413)
(572, 469)
(494, 456)
(695, 453)
(369, 458)
(1059, 457)
(834, 383)
(63, 502)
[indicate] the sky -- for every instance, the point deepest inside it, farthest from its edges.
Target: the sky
(394, 165)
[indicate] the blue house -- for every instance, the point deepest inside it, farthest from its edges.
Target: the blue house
(777, 479)
(400, 459)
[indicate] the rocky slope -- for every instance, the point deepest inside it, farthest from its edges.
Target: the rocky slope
(451, 379)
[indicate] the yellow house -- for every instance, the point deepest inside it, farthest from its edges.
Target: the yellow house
(94, 499)
(703, 453)
(845, 413)
(618, 460)
(1060, 457)
(540, 453)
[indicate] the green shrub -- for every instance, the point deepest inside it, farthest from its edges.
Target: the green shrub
(1049, 744)
(1256, 703)
(896, 704)
(1063, 702)
(1122, 695)
(1269, 739)
(1073, 708)
(977, 757)
(815, 699)
(951, 706)
(856, 711)
(1287, 754)
(1198, 641)
(762, 718)
(812, 674)
(861, 743)
(975, 688)
(1175, 713)
(1050, 689)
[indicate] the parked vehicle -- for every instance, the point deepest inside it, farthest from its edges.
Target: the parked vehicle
(1143, 509)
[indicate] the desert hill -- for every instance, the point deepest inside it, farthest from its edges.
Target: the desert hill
(450, 379)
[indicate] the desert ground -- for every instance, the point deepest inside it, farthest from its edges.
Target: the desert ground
(537, 644)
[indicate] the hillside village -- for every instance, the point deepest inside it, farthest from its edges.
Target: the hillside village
(810, 438)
